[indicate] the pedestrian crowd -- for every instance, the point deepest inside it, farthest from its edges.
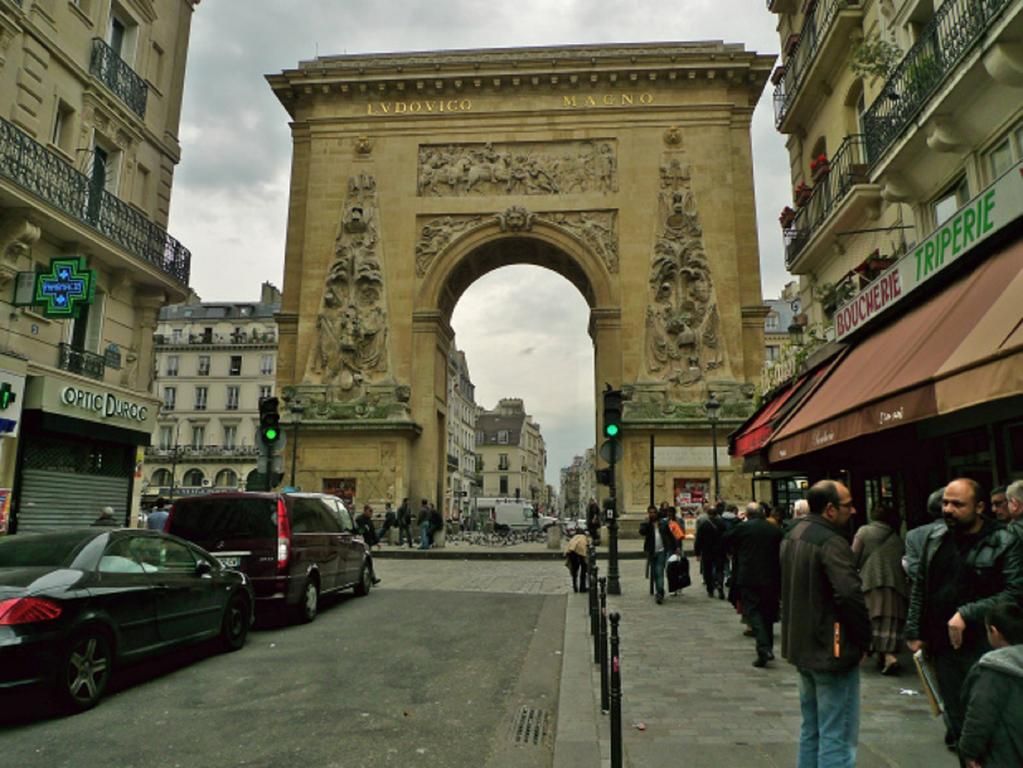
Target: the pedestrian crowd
(950, 592)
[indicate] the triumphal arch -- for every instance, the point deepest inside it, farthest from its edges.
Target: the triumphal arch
(625, 168)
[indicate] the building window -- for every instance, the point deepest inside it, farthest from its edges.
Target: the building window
(480, 438)
(230, 436)
(771, 321)
(265, 391)
(502, 461)
(235, 368)
(198, 435)
(232, 398)
(771, 353)
(194, 478)
(951, 201)
(170, 395)
(504, 485)
(175, 335)
(172, 365)
(63, 136)
(204, 365)
(226, 478)
(200, 398)
(266, 365)
(502, 437)
(166, 438)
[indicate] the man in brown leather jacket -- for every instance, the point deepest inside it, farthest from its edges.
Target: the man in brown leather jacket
(825, 627)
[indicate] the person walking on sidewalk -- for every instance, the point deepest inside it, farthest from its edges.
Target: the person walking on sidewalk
(424, 523)
(825, 627)
(756, 545)
(707, 549)
(405, 523)
(658, 544)
(575, 558)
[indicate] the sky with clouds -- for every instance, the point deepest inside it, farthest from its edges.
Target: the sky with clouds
(523, 328)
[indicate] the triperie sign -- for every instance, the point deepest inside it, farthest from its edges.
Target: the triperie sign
(992, 210)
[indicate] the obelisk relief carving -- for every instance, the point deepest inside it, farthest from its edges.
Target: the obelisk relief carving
(350, 350)
(683, 343)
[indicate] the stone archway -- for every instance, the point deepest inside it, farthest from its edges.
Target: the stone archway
(625, 168)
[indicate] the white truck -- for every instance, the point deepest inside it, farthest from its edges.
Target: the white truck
(510, 514)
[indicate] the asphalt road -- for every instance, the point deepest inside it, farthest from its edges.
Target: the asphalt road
(405, 677)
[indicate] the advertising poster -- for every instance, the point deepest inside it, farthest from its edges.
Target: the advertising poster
(5, 506)
(691, 495)
(343, 488)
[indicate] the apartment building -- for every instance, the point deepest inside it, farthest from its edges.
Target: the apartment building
(904, 125)
(511, 449)
(578, 485)
(215, 361)
(462, 482)
(88, 145)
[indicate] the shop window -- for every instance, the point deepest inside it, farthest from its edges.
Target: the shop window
(945, 206)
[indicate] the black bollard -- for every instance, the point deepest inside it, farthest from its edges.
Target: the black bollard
(605, 692)
(616, 696)
(595, 617)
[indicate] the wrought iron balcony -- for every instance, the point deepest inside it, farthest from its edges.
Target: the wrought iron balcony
(81, 362)
(949, 36)
(217, 452)
(815, 29)
(846, 168)
(115, 73)
(46, 175)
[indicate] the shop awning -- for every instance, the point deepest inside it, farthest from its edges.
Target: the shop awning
(961, 347)
(753, 435)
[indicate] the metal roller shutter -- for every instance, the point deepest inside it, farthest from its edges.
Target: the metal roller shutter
(60, 500)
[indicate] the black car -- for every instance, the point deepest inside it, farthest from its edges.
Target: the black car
(76, 604)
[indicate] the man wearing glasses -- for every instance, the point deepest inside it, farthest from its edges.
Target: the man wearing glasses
(965, 568)
(825, 627)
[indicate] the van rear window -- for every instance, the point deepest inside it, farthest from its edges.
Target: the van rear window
(204, 519)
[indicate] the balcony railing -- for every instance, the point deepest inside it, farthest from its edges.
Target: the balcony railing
(814, 31)
(115, 73)
(230, 340)
(36, 169)
(946, 40)
(205, 451)
(81, 362)
(848, 167)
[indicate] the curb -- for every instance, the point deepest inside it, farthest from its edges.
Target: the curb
(498, 554)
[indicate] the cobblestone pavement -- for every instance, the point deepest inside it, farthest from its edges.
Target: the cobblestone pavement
(717, 710)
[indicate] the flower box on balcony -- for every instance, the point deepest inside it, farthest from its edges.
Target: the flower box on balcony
(788, 215)
(778, 75)
(791, 43)
(801, 194)
(820, 171)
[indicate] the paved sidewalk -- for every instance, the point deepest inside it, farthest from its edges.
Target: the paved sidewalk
(717, 710)
(628, 549)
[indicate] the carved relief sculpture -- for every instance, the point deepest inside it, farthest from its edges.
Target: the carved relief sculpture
(598, 230)
(351, 327)
(490, 169)
(683, 342)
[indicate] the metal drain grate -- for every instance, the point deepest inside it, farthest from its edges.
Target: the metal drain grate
(531, 726)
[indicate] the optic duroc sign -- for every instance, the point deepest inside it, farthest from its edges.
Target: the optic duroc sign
(992, 210)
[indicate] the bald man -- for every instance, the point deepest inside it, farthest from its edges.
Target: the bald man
(965, 568)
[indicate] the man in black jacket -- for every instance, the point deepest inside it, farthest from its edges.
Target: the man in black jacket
(756, 545)
(658, 544)
(405, 523)
(825, 627)
(707, 549)
(965, 569)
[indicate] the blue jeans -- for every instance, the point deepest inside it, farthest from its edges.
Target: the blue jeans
(657, 565)
(424, 536)
(830, 702)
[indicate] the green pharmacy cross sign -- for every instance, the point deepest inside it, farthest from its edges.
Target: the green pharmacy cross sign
(65, 288)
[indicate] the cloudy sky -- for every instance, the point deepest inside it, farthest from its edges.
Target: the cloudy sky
(523, 328)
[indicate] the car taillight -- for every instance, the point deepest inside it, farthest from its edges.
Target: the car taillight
(25, 610)
(283, 535)
(166, 523)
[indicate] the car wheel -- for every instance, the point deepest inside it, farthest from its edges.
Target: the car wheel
(85, 670)
(362, 587)
(235, 627)
(310, 602)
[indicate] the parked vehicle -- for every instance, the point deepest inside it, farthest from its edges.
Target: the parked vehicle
(76, 604)
(511, 514)
(294, 547)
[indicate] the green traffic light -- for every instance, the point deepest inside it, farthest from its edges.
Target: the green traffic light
(611, 430)
(270, 434)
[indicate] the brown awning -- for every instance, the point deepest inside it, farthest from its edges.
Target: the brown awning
(960, 347)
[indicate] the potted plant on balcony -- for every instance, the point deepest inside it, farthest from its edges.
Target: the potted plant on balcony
(801, 194)
(819, 167)
(778, 75)
(871, 267)
(788, 215)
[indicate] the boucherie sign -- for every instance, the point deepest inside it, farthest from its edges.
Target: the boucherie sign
(991, 211)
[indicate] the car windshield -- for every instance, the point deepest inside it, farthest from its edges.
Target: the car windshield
(52, 550)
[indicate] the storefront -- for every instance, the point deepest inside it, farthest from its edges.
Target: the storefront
(79, 451)
(930, 386)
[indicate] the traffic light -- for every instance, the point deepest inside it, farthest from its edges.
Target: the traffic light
(604, 476)
(612, 412)
(269, 421)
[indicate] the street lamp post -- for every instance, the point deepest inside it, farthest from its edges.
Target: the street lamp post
(712, 405)
(296, 410)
